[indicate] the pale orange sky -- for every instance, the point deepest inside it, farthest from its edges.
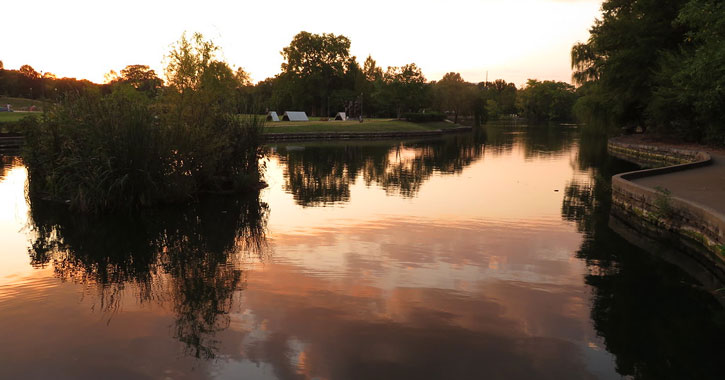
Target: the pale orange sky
(513, 40)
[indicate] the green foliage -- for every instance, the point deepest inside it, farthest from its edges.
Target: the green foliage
(125, 150)
(404, 89)
(140, 77)
(663, 203)
(315, 65)
(692, 80)
(547, 101)
(503, 94)
(97, 153)
(656, 65)
(452, 93)
(417, 117)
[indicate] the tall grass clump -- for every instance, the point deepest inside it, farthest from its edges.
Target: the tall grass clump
(97, 152)
(124, 150)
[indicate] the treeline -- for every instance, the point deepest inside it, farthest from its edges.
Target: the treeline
(27, 83)
(321, 77)
(658, 65)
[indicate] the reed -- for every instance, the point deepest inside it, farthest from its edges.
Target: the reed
(101, 153)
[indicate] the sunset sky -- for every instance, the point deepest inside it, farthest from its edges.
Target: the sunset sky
(511, 39)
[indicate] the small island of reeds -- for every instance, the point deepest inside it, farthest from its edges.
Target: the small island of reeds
(137, 145)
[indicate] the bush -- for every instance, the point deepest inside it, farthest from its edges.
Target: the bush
(417, 117)
(124, 150)
(112, 152)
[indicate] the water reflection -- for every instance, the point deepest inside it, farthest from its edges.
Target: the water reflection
(6, 163)
(537, 141)
(452, 258)
(189, 257)
(656, 319)
(321, 174)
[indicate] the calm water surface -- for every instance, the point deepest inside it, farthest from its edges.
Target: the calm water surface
(486, 255)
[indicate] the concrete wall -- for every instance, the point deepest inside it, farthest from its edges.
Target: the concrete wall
(698, 229)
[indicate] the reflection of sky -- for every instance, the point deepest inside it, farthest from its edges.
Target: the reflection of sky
(13, 219)
(474, 277)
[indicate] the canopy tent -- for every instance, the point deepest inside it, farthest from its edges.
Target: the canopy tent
(272, 116)
(340, 116)
(295, 116)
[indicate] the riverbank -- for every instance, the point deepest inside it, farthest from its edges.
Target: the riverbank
(681, 199)
(368, 125)
(344, 130)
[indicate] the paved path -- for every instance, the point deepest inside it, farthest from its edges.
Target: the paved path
(704, 185)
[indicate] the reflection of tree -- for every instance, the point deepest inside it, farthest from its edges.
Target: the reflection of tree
(547, 140)
(651, 315)
(535, 140)
(188, 257)
(323, 174)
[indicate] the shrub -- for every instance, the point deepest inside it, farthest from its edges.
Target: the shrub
(112, 152)
(123, 150)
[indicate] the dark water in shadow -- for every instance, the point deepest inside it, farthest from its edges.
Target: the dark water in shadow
(485, 255)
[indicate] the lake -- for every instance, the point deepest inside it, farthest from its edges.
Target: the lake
(481, 255)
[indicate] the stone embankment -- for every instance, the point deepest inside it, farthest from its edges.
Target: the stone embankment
(692, 220)
(301, 136)
(11, 141)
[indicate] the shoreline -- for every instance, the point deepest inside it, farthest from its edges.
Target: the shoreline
(305, 136)
(696, 228)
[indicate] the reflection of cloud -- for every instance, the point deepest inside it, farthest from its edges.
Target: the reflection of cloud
(350, 331)
(77, 344)
(425, 253)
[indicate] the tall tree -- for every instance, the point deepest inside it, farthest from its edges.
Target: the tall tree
(142, 78)
(29, 72)
(689, 97)
(451, 93)
(547, 101)
(315, 64)
(405, 88)
(623, 53)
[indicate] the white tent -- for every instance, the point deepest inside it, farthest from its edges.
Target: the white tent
(340, 116)
(272, 116)
(295, 116)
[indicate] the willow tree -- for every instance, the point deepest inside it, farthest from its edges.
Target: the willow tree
(619, 62)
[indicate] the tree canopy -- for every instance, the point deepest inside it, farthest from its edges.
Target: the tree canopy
(656, 65)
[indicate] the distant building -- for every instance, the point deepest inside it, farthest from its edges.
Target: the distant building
(295, 116)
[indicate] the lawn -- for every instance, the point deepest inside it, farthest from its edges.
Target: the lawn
(20, 104)
(7, 120)
(6, 117)
(369, 125)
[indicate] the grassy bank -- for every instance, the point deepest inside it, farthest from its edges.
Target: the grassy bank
(9, 117)
(20, 104)
(11, 121)
(369, 125)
